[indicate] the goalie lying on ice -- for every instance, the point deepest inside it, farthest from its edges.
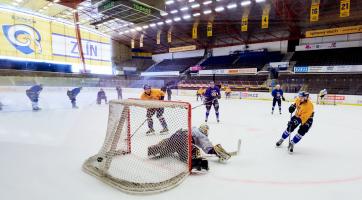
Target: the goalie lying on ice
(177, 142)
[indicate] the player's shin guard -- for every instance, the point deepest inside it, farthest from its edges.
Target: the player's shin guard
(207, 115)
(163, 122)
(285, 134)
(150, 126)
(297, 138)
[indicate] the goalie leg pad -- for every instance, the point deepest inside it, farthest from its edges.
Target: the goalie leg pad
(159, 148)
(221, 153)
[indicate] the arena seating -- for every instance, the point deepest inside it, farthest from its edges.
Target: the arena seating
(328, 57)
(313, 83)
(241, 83)
(178, 64)
(140, 64)
(248, 59)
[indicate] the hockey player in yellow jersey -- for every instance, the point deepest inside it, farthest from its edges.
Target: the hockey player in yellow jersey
(303, 117)
(200, 93)
(227, 92)
(154, 94)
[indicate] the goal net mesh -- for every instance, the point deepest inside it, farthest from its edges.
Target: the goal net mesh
(125, 160)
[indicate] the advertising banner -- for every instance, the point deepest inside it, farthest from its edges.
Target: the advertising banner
(229, 71)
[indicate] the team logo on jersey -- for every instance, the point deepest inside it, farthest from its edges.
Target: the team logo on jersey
(23, 37)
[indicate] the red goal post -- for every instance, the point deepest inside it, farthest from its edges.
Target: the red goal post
(123, 160)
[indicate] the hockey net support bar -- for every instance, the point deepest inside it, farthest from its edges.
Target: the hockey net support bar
(124, 159)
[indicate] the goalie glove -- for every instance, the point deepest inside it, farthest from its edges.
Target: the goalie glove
(221, 153)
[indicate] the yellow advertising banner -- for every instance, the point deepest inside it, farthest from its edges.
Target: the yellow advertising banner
(194, 30)
(169, 36)
(158, 37)
(209, 29)
(344, 9)
(334, 31)
(27, 36)
(132, 43)
(141, 40)
(244, 23)
(265, 18)
(183, 48)
(314, 12)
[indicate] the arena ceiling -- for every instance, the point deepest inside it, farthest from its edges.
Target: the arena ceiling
(288, 20)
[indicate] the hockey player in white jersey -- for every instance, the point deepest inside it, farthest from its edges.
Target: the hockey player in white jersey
(200, 140)
(321, 96)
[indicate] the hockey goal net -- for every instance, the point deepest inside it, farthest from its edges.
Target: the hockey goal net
(124, 160)
(330, 99)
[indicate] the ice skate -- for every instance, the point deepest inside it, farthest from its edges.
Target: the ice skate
(280, 142)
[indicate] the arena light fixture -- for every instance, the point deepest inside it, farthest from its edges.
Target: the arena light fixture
(184, 8)
(168, 21)
(206, 12)
(169, 2)
(121, 33)
(259, 1)
(56, 1)
(219, 9)
(190, 1)
(138, 28)
(196, 5)
(160, 23)
(231, 6)
(196, 14)
(162, 13)
(127, 31)
(132, 30)
(152, 25)
(145, 27)
(176, 19)
(207, 2)
(174, 11)
(245, 3)
(186, 16)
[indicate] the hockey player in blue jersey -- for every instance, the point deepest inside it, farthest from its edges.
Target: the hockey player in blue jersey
(72, 94)
(212, 95)
(33, 95)
(101, 95)
(277, 94)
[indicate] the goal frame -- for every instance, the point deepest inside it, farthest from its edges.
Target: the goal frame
(111, 144)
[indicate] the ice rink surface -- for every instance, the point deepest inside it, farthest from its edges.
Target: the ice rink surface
(42, 152)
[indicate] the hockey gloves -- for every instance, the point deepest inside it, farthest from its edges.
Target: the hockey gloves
(292, 108)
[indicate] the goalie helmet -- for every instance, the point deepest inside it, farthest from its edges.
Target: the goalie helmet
(204, 128)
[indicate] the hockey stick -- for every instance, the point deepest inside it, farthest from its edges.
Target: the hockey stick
(203, 104)
(138, 128)
(290, 121)
(237, 152)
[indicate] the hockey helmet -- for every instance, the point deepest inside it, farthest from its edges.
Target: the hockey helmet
(303, 94)
(204, 128)
(146, 87)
